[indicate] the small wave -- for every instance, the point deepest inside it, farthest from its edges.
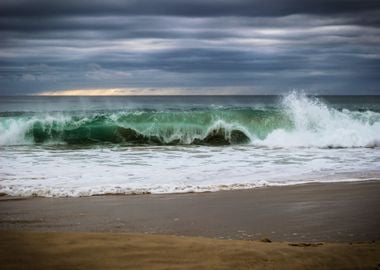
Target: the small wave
(51, 191)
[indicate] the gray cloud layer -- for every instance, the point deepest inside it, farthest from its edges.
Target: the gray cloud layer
(194, 8)
(326, 46)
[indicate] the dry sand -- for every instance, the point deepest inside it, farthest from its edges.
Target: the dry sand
(26, 250)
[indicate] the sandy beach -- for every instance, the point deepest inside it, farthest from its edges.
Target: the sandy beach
(334, 212)
(136, 251)
(319, 226)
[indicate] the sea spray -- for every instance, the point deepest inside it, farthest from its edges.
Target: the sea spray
(315, 124)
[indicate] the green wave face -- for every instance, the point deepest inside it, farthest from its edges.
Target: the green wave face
(297, 121)
(209, 127)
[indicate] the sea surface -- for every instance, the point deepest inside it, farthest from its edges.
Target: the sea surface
(80, 146)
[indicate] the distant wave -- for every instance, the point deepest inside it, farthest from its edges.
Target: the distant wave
(298, 121)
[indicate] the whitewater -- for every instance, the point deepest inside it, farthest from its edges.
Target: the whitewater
(57, 147)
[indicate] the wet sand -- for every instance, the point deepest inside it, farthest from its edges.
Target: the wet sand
(332, 212)
(314, 226)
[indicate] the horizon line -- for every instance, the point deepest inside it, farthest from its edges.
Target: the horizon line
(178, 95)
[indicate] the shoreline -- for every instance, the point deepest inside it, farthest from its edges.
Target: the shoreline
(332, 212)
(6, 197)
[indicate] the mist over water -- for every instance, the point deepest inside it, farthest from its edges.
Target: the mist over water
(77, 146)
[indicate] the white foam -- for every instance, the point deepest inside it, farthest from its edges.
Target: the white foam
(317, 125)
(48, 171)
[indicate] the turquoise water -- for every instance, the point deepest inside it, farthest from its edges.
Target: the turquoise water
(173, 120)
(79, 146)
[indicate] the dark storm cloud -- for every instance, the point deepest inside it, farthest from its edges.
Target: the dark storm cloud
(194, 8)
(331, 46)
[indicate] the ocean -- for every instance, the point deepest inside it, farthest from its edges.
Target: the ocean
(82, 146)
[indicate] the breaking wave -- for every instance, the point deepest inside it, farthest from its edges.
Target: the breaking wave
(298, 121)
(315, 124)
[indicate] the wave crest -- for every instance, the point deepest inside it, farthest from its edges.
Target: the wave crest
(102, 129)
(315, 124)
(298, 121)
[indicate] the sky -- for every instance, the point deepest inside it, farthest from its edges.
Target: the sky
(180, 47)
